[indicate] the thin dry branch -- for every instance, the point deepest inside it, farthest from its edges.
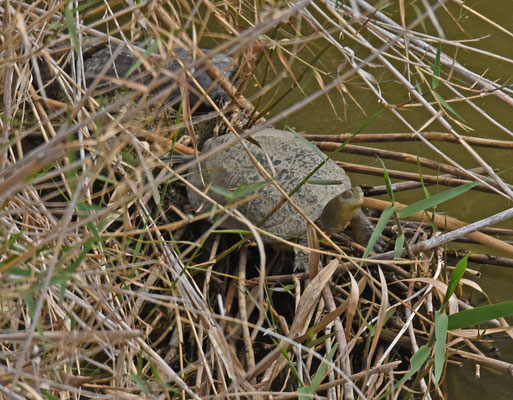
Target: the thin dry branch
(458, 229)
(127, 281)
(408, 137)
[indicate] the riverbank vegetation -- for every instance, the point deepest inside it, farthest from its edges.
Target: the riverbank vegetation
(113, 287)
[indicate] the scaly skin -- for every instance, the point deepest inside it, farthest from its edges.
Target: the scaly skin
(340, 210)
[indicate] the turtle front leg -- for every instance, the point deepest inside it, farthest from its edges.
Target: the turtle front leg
(300, 259)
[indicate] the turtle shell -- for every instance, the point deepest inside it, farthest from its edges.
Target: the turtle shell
(126, 59)
(288, 158)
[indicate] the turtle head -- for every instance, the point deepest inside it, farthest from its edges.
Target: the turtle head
(340, 210)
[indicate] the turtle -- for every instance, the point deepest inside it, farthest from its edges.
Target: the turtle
(123, 63)
(327, 197)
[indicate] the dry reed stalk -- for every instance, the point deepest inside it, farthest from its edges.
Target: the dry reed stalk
(406, 137)
(90, 246)
(427, 180)
(404, 157)
(486, 259)
(452, 224)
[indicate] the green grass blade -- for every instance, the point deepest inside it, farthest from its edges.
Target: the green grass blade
(138, 246)
(416, 362)
(88, 244)
(291, 365)
(319, 376)
(388, 182)
(382, 223)
(434, 200)
(456, 276)
(49, 396)
(325, 182)
(85, 6)
(479, 315)
(30, 302)
(441, 321)
(72, 28)
(399, 244)
(446, 105)
(241, 191)
(138, 62)
(311, 332)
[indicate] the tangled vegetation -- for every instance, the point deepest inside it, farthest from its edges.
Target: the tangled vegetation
(112, 286)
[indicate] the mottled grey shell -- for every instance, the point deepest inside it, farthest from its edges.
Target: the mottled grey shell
(126, 59)
(292, 158)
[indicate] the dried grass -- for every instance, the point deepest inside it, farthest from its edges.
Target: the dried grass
(110, 289)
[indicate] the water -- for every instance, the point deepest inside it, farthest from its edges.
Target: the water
(336, 116)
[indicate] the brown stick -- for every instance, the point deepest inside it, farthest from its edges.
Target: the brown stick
(404, 157)
(446, 180)
(485, 259)
(488, 230)
(444, 222)
(498, 231)
(89, 336)
(178, 147)
(408, 137)
(394, 155)
(489, 362)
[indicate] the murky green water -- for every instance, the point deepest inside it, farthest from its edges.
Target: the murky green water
(321, 117)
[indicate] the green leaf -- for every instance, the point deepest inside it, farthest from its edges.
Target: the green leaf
(456, 276)
(19, 271)
(56, 279)
(436, 67)
(291, 365)
(158, 378)
(87, 5)
(479, 315)
(427, 195)
(86, 210)
(88, 244)
(388, 182)
(434, 200)
(441, 339)
(138, 62)
(319, 376)
(235, 231)
(13, 239)
(241, 191)
(49, 396)
(226, 193)
(417, 361)
(142, 384)
(321, 372)
(324, 182)
(399, 244)
(318, 340)
(72, 28)
(30, 302)
(446, 105)
(138, 244)
(382, 223)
